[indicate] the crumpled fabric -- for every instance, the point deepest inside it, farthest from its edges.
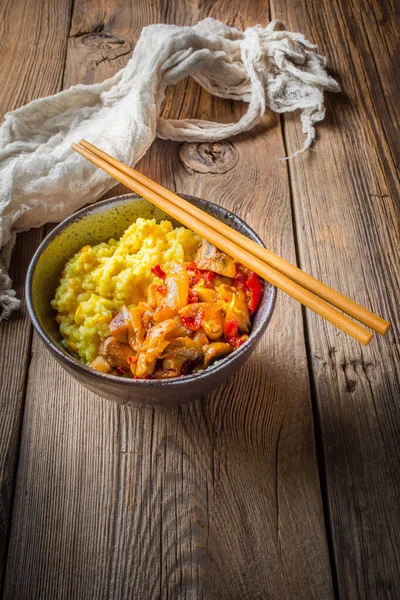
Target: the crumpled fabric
(42, 180)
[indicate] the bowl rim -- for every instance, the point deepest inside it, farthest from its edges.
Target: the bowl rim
(69, 361)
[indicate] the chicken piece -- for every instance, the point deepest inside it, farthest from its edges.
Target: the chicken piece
(216, 351)
(209, 258)
(116, 353)
(154, 345)
(177, 291)
(179, 330)
(100, 364)
(164, 312)
(178, 353)
(156, 341)
(205, 294)
(238, 311)
(141, 317)
(144, 366)
(119, 326)
(201, 337)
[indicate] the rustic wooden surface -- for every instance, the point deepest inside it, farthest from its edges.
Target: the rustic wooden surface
(222, 498)
(344, 197)
(28, 71)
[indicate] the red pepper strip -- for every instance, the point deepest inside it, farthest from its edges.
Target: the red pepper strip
(255, 287)
(239, 281)
(193, 323)
(193, 297)
(206, 276)
(196, 279)
(157, 270)
(239, 284)
(120, 370)
(240, 274)
(162, 289)
(231, 331)
(191, 266)
(240, 340)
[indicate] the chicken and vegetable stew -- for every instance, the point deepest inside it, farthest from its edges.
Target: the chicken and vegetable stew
(198, 315)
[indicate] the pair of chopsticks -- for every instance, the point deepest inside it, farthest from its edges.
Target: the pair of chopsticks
(311, 292)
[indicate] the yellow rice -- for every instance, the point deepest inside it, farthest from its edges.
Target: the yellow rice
(100, 279)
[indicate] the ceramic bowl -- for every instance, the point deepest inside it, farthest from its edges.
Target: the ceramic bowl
(98, 223)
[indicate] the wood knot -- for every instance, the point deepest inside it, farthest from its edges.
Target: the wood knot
(206, 157)
(102, 41)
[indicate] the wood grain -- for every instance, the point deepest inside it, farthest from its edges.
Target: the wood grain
(373, 34)
(219, 498)
(27, 71)
(347, 228)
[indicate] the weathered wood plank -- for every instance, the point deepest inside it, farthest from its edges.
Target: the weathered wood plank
(219, 498)
(345, 198)
(28, 71)
(373, 33)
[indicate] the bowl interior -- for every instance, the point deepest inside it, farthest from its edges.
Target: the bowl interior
(98, 223)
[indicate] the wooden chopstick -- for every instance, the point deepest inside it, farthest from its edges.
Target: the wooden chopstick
(312, 284)
(240, 254)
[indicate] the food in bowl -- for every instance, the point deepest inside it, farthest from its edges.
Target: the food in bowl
(157, 304)
(100, 222)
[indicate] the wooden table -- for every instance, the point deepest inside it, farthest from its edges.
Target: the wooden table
(285, 482)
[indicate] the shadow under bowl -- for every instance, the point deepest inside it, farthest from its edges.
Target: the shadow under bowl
(98, 223)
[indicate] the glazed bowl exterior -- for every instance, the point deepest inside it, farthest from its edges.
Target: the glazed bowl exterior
(97, 223)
